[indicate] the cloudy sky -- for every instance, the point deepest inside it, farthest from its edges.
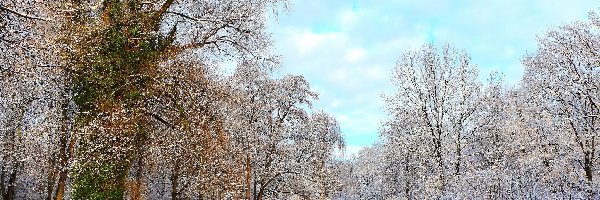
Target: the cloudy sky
(347, 48)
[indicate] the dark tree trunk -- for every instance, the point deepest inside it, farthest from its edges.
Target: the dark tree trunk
(175, 181)
(50, 178)
(588, 165)
(7, 187)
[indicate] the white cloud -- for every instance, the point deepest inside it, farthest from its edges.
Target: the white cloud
(355, 54)
(337, 75)
(308, 41)
(342, 118)
(336, 103)
(348, 18)
(376, 73)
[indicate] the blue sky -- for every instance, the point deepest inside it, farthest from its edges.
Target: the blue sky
(347, 49)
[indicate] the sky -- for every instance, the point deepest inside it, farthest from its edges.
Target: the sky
(347, 49)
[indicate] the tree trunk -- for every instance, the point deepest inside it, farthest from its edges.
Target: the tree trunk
(65, 154)
(7, 189)
(65, 151)
(248, 172)
(135, 188)
(62, 175)
(50, 178)
(254, 189)
(2, 188)
(587, 165)
(10, 188)
(60, 189)
(458, 156)
(175, 181)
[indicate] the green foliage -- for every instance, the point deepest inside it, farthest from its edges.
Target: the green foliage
(98, 181)
(117, 59)
(113, 64)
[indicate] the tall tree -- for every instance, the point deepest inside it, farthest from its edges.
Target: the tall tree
(563, 78)
(437, 94)
(115, 51)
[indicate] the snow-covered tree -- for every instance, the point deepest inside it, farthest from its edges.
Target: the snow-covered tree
(287, 148)
(563, 79)
(432, 116)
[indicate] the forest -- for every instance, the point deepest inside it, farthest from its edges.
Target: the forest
(129, 99)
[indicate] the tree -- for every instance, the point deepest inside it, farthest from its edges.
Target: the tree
(286, 149)
(436, 97)
(563, 78)
(364, 176)
(188, 154)
(115, 51)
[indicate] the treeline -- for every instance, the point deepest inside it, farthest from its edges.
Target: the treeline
(129, 99)
(450, 136)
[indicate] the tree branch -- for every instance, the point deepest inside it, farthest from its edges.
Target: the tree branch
(263, 187)
(163, 9)
(49, 65)
(184, 16)
(21, 14)
(160, 119)
(7, 41)
(190, 17)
